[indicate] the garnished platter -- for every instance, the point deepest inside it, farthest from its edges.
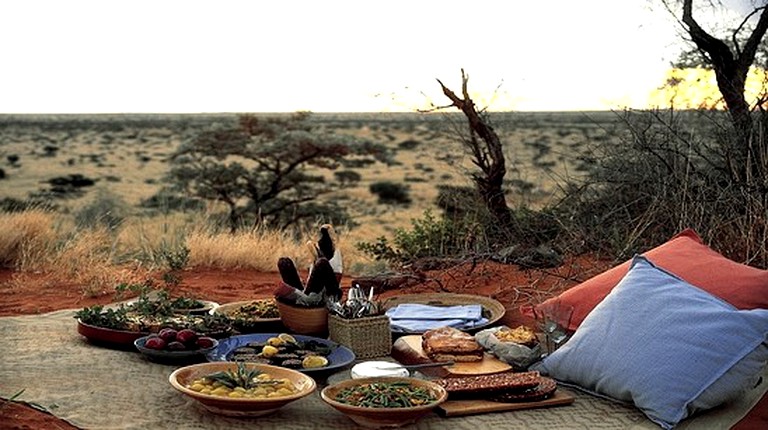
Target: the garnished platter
(338, 357)
(119, 325)
(259, 315)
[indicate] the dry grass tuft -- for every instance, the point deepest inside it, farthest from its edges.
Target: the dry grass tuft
(86, 258)
(96, 260)
(25, 238)
(260, 249)
(32, 241)
(147, 238)
(256, 250)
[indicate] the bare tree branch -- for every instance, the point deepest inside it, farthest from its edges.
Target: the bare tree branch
(488, 156)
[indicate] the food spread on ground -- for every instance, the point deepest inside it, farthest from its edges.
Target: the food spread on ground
(476, 382)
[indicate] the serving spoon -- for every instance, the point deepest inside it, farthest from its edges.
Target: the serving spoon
(411, 367)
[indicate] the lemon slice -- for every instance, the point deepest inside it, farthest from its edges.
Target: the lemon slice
(314, 361)
(275, 341)
(269, 351)
(287, 338)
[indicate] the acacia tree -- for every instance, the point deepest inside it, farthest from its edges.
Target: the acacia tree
(270, 168)
(731, 58)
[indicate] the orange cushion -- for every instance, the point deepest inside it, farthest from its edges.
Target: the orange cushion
(686, 256)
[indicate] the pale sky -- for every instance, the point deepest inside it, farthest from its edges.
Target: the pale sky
(75, 56)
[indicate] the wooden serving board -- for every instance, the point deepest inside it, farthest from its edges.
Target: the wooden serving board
(407, 350)
(457, 408)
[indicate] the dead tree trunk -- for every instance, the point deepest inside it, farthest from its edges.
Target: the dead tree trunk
(487, 155)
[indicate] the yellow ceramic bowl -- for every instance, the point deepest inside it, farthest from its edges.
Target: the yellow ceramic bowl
(384, 417)
(240, 407)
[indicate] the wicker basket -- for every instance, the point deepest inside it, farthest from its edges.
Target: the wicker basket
(306, 321)
(367, 337)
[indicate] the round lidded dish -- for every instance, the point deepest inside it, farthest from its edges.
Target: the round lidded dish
(371, 369)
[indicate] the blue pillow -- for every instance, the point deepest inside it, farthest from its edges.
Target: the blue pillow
(667, 346)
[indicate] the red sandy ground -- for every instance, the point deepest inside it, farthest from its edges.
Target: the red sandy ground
(25, 294)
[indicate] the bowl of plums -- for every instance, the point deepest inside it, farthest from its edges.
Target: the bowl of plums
(171, 346)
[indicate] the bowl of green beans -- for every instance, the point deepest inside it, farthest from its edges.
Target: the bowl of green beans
(379, 402)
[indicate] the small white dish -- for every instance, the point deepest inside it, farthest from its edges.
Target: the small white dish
(371, 369)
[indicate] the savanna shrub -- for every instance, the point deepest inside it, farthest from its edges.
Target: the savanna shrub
(672, 170)
(107, 210)
(166, 201)
(428, 237)
(347, 177)
(175, 258)
(409, 144)
(391, 193)
(10, 204)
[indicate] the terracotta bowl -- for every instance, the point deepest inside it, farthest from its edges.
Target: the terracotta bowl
(383, 417)
(240, 407)
(306, 321)
(108, 337)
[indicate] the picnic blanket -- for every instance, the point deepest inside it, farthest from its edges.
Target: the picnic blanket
(93, 387)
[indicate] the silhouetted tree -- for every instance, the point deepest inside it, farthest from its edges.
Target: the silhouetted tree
(730, 57)
(487, 154)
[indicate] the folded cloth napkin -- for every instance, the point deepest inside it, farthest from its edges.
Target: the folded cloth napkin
(415, 318)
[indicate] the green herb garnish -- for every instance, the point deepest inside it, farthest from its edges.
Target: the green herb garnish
(386, 395)
(241, 377)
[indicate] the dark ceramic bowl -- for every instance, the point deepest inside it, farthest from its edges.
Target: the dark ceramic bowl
(173, 357)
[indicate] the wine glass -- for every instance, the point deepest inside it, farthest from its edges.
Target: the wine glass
(553, 321)
(562, 314)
